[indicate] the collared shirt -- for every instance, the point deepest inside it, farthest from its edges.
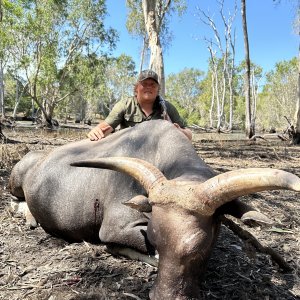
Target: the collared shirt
(128, 113)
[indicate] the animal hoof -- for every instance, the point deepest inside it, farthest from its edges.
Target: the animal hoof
(32, 224)
(22, 208)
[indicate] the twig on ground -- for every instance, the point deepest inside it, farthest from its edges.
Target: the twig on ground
(247, 236)
(132, 296)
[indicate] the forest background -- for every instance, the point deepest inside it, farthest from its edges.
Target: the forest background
(58, 60)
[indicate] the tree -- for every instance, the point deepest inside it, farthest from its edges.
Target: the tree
(279, 95)
(84, 76)
(120, 77)
(296, 133)
(296, 137)
(152, 26)
(8, 11)
(221, 81)
(2, 112)
(250, 120)
(184, 89)
(48, 38)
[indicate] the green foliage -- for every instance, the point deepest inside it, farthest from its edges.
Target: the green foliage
(277, 99)
(279, 96)
(239, 112)
(59, 53)
(48, 37)
(119, 82)
(15, 88)
(204, 99)
(9, 11)
(103, 81)
(183, 90)
(135, 19)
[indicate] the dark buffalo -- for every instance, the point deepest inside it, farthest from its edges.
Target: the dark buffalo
(160, 173)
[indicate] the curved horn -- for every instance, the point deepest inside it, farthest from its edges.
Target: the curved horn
(203, 198)
(145, 173)
(225, 187)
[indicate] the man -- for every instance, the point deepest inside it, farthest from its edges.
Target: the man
(145, 105)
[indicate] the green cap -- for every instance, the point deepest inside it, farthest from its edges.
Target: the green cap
(148, 74)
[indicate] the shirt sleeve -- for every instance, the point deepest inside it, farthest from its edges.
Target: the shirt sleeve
(174, 115)
(116, 116)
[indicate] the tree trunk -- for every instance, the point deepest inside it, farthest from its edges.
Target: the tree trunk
(47, 112)
(156, 56)
(296, 137)
(217, 98)
(143, 53)
(33, 112)
(212, 99)
(2, 110)
(231, 83)
(250, 123)
(18, 98)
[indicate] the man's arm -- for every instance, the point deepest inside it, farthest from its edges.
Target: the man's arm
(106, 127)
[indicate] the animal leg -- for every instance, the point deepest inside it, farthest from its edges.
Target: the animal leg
(22, 207)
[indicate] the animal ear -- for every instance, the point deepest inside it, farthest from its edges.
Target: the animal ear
(140, 203)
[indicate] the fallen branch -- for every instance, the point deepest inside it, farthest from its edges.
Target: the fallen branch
(267, 137)
(253, 138)
(247, 236)
(282, 137)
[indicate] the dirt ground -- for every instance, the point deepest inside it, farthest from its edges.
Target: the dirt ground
(35, 265)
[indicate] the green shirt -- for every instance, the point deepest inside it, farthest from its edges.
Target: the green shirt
(128, 113)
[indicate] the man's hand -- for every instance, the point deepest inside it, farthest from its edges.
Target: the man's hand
(187, 132)
(100, 131)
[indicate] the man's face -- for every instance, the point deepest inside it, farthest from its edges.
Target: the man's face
(147, 90)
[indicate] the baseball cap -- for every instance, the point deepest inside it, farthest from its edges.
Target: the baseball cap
(146, 74)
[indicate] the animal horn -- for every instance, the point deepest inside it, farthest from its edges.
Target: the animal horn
(225, 187)
(145, 173)
(202, 198)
